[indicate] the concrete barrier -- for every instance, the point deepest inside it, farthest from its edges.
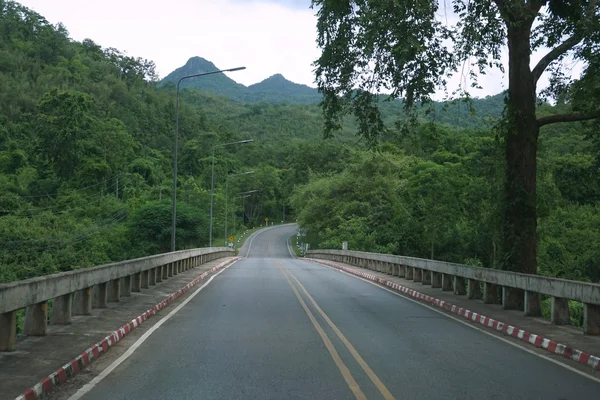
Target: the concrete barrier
(76, 292)
(511, 289)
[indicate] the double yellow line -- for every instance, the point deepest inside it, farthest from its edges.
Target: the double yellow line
(332, 351)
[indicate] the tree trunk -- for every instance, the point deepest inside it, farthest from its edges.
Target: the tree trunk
(520, 220)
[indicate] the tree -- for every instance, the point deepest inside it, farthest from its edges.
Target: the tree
(63, 125)
(397, 46)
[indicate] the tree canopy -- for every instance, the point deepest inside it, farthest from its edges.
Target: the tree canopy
(410, 51)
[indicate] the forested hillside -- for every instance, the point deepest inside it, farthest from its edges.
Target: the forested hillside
(86, 139)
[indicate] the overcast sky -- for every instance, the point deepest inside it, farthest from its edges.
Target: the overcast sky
(266, 36)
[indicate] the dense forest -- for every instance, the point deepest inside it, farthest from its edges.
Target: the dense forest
(86, 136)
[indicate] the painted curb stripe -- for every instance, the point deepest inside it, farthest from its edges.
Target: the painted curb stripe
(73, 367)
(509, 330)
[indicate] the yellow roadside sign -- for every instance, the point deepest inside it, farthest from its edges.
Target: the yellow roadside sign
(267, 219)
(231, 238)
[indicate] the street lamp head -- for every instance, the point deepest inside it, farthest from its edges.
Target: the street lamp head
(246, 141)
(235, 69)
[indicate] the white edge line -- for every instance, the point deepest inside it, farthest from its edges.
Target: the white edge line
(90, 385)
(517, 345)
(287, 242)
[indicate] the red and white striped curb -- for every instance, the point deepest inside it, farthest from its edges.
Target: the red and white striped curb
(531, 338)
(74, 366)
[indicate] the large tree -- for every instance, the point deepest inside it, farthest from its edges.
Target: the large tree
(410, 48)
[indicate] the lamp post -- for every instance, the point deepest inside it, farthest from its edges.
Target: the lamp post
(243, 195)
(174, 197)
(226, 183)
(212, 183)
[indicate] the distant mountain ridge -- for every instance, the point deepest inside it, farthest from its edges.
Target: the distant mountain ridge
(275, 89)
(278, 90)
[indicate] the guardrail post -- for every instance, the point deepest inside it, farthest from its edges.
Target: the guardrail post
(532, 304)
(61, 310)
(82, 305)
(136, 282)
(591, 319)
(165, 272)
(146, 279)
(176, 267)
(152, 275)
(560, 311)
(401, 270)
(409, 272)
(490, 293)
(447, 283)
(8, 331)
(36, 319)
(126, 286)
(474, 291)
(100, 294)
(460, 286)
(114, 290)
(417, 274)
(512, 299)
(426, 277)
(170, 268)
(436, 279)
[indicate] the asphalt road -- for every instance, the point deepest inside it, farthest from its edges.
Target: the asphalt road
(254, 333)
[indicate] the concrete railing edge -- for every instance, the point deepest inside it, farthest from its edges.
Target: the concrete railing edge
(518, 290)
(76, 292)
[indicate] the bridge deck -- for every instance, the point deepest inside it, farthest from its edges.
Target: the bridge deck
(37, 357)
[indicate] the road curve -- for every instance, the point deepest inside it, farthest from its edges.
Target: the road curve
(274, 327)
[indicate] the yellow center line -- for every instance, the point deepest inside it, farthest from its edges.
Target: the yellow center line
(332, 351)
(382, 389)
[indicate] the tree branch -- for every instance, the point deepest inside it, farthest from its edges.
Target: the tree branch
(554, 54)
(536, 5)
(552, 119)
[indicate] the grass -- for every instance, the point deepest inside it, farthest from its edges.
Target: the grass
(294, 246)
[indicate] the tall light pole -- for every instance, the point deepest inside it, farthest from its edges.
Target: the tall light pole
(242, 196)
(174, 197)
(226, 198)
(212, 183)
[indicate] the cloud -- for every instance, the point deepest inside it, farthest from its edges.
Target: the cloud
(266, 36)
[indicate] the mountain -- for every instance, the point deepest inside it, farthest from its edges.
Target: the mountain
(219, 84)
(275, 89)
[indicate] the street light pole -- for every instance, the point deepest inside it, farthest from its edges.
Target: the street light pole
(243, 195)
(212, 183)
(174, 197)
(226, 197)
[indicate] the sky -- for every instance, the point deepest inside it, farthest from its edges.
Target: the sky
(265, 36)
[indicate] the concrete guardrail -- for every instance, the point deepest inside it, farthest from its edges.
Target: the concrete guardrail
(76, 292)
(518, 291)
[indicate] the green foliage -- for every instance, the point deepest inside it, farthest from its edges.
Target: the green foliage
(86, 167)
(437, 195)
(405, 48)
(151, 227)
